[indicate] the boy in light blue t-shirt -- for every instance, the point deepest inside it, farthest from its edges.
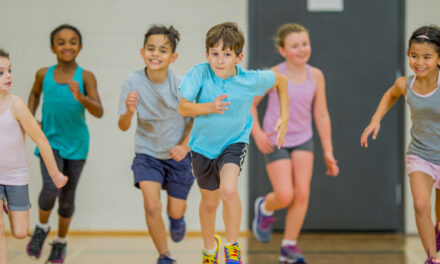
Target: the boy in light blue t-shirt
(162, 160)
(219, 94)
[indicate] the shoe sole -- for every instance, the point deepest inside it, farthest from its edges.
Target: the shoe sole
(284, 260)
(255, 221)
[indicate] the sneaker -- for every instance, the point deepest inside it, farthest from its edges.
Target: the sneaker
(212, 259)
(58, 252)
(291, 254)
(437, 237)
(35, 245)
(5, 208)
(164, 259)
(177, 229)
(233, 253)
(262, 224)
(432, 261)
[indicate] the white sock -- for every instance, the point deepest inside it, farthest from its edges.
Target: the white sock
(45, 227)
(286, 242)
(210, 251)
(62, 240)
(264, 210)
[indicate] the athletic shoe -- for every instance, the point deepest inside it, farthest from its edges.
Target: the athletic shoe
(233, 253)
(432, 261)
(5, 208)
(437, 238)
(35, 245)
(212, 259)
(58, 252)
(177, 229)
(262, 224)
(291, 254)
(164, 259)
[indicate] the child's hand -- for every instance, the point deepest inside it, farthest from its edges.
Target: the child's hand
(263, 142)
(131, 101)
(281, 127)
(218, 106)
(371, 128)
(331, 163)
(60, 180)
(179, 152)
(74, 88)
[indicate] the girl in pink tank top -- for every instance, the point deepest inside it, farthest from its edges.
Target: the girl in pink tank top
(15, 120)
(290, 168)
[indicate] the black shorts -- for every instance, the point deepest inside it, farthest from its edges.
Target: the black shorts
(207, 171)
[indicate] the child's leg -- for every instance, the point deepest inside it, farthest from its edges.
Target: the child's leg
(176, 207)
(280, 175)
(231, 200)
(4, 254)
(421, 188)
(437, 207)
(207, 212)
(19, 223)
(153, 214)
(302, 170)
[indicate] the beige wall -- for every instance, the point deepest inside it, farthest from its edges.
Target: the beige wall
(418, 13)
(113, 33)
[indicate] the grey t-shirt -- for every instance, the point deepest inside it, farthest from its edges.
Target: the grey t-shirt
(159, 126)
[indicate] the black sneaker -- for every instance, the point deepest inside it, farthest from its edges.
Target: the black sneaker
(35, 245)
(58, 253)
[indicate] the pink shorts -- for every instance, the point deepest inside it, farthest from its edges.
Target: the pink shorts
(415, 163)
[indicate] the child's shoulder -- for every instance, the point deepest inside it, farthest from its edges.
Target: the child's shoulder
(41, 73)
(401, 82)
(316, 73)
(87, 75)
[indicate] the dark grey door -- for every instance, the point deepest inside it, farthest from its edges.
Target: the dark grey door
(360, 51)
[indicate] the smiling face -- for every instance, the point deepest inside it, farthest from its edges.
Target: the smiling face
(66, 45)
(158, 53)
(5, 75)
(223, 61)
(423, 58)
(296, 48)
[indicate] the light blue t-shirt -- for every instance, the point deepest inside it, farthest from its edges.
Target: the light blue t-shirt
(212, 133)
(159, 126)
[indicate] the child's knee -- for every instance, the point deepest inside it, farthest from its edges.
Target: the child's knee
(228, 193)
(284, 198)
(422, 206)
(209, 204)
(153, 208)
(20, 232)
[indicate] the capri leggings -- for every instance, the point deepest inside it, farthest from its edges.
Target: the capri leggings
(72, 169)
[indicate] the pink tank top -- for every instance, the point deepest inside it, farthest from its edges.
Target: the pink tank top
(299, 126)
(13, 164)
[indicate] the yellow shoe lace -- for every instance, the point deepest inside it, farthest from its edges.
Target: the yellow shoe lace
(209, 259)
(233, 252)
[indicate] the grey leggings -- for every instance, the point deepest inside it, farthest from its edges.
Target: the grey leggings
(72, 169)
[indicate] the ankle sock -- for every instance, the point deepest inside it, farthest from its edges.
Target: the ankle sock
(286, 242)
(45, 227)
(62, 240)
(264, 210)
(210, 251)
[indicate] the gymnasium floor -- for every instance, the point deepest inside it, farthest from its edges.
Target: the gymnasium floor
(318, 248)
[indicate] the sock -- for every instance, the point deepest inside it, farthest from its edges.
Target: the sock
(210, 251)
(264, 210)
(45, 227)
(62, 240)
(286, 242)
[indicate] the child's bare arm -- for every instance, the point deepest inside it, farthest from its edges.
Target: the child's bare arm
(32, 128)
(37, 88)
(283, 97)
(388, 100)
(131, 102)
(187, 108)
(180, 151)
(90, 100)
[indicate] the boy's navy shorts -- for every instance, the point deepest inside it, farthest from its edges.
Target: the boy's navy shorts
(175, 176)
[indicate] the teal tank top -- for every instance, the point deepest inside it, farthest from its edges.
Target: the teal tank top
(64, 121)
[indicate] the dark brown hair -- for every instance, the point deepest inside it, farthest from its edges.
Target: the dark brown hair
(171, 33)
(4, 54)
(229, 33)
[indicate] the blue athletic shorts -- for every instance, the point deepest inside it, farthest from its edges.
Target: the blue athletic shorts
(17, 197)
(175, 176)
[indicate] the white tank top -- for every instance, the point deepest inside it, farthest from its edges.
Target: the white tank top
(13, 164)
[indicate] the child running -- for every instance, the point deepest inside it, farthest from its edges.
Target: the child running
(162, 158)
(68, 91)
(15, 120)
(422, 94)
(290, 168)
(219, 94)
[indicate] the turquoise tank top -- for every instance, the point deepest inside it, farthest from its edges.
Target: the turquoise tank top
(64, 121)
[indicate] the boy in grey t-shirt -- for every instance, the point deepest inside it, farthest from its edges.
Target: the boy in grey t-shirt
(162, 160)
